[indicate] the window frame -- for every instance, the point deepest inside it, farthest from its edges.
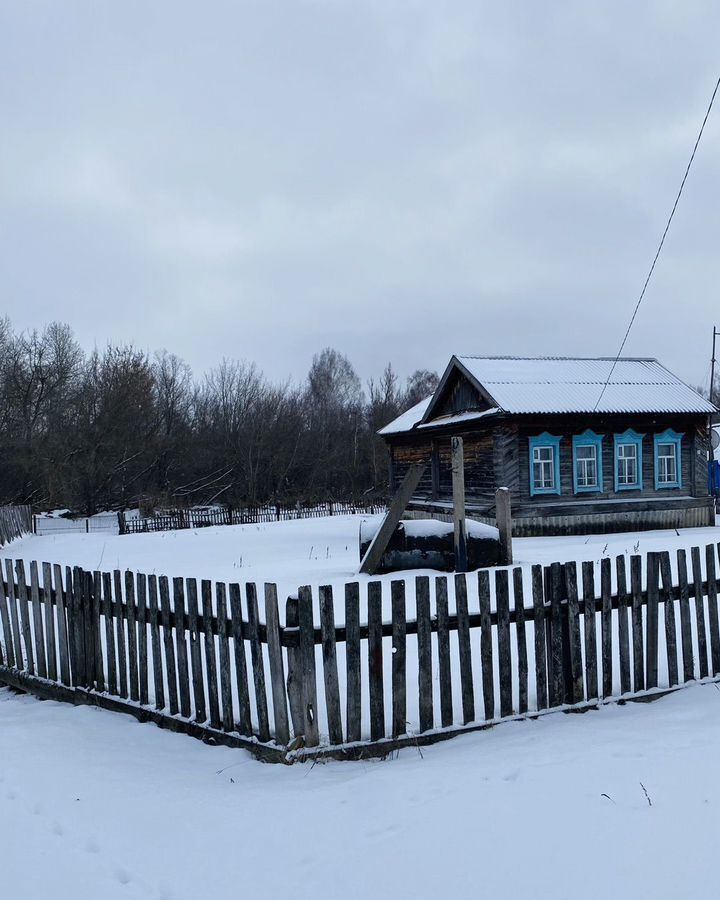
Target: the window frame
(544, 440)
(629, 437)
(588, 439)
(669, 436)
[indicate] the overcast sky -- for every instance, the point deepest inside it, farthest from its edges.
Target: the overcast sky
(400, 181)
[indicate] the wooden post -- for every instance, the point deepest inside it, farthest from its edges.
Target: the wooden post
(503, 520)
(371, 560)
(458, 485)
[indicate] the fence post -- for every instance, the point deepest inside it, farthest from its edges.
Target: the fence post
(503, 520)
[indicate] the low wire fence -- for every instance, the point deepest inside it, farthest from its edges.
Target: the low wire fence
(172, 520)
(355, 676)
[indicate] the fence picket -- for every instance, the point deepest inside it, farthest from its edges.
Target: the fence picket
(685, 623)
(699, 611)
(183, 672)
(464, 649)
(424, 637)
(353, 710)
(590, 630)
(154, 618)
(37, 616)
(120, 635)
(486, 648)
(399, 651)
(142, 624)
(62, 631)
(519, 607)
(669, 611)
(539, 638)
(210, 656)
(50, 641)
(100, 680)
(651, 651)
(575, 642)
(375, 661)
(6, 626)
(623, 625)
(241, 678)
(22, 597)
(502, 605)
(132, 635)
(277, 668)
(228, 722)
(168, 646)
(712, 599)
(637, 623)
(258, 665)
(198, 682)
(307, 658)
(443, 639)
(14, 615)
(606, 626)
(330, 669)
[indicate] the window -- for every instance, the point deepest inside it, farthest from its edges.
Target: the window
(668, 469)
(628, 461)
(587, 462)
(544, 464)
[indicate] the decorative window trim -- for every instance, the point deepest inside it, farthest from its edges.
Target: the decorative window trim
(545, 440)
(629, 437)
(588, 439)
(669, 436)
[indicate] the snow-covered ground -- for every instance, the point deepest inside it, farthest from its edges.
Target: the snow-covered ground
(95, 805)
(306, 551)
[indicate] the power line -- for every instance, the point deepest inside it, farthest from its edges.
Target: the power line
(660, 246)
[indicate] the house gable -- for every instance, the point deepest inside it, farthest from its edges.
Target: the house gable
(457, 392)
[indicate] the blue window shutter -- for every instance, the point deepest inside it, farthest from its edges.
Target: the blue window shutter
(669, 436)
(629, 437)
(544, 440)
(588, 439)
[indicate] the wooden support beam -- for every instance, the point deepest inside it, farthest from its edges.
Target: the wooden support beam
(458, 484)
(371, 560)
(503, 520)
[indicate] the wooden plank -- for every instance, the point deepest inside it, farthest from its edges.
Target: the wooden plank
(330, 669)
(183, 672)
(120, 635)
(277, 666)
(258, 665)
(443, 639)
(37, 617)
(62, 633)
(539, 638)
(168, 646)
(486, 647)
(132, 635)
(685, 620)
(458, 492)
(26, 628)
(464, 648)
(241, 679)
(353, 709)
(699, 611)
(651, 646)
(76, 624)
(294, 677)
(424, 638)
(154, 616)
(503, 521)
(669, 610)
(577, 686)
(590, 630)
(142, 623)
(502, 603)
(6, 626)
(519, 607)
(557, 678)
(14, 616)
(374, 553)
(106, 607)
(100, 680)
(198, 679)
(623, 624)
(375, 661)
(307, 657)
(637, 623)
(50, 631)
(712, 600)
(399, 658)
(228, 721)
(210, 656)
(606, 626)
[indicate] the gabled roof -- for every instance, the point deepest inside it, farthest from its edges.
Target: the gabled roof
(537, 385)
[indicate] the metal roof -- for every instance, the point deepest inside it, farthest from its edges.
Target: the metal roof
(574, 385)
(559, 384)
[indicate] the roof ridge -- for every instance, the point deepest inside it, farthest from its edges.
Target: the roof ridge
(567, 358)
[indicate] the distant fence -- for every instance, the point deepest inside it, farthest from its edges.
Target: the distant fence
(247, 515)
(478, 650)
(15, 521)
(106, 524)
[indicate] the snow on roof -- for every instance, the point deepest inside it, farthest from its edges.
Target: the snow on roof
(573, 385)
(469, 415)
(408, 419)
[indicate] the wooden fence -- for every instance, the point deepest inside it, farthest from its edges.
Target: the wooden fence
(247, 515)
(479, 649)
(15, 521)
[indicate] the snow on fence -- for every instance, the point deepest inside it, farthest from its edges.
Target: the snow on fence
(15, 521)
(480, 649)
(247, 515)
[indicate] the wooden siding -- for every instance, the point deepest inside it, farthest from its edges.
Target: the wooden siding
(435, 452)
(459, 395)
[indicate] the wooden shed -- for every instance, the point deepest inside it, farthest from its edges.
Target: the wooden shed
(578, 452)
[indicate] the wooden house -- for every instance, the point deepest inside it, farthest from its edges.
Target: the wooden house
(578, 452)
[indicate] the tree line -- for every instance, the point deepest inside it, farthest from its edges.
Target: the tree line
(118, 427)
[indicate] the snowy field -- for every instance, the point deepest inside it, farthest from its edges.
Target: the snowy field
(95, 805)
(306, 551)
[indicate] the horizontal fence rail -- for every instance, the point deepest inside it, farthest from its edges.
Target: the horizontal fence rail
(250, 515)
(356, 675)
